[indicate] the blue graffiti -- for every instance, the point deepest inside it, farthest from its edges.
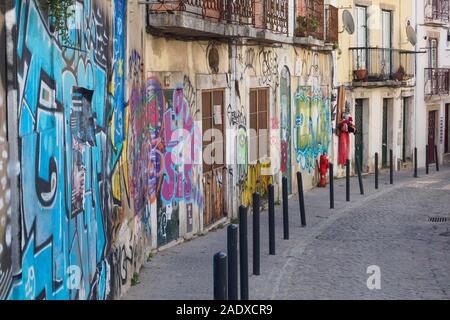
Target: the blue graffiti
(119, 71)
(63, 107)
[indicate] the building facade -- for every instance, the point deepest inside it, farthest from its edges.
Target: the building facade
(146, 124)
(433, 84)
(376, 67)
(258, 89)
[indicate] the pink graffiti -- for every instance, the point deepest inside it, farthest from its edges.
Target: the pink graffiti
(179, 135)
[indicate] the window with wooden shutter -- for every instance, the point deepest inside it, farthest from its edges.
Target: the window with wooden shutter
(259, 124)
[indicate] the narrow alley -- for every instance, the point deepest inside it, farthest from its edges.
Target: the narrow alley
(389, 228)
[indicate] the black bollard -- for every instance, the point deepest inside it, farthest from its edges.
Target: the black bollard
(416, 175)
(233, 262)
(285, 209)
(220, 276)
(271, 220)
(358, 168)
(301, 198)
(437, 157)
(391, 169)
(243, 252)
(256, 235)
(376, 171)
(331, 186)
(427, 159)
(347, 177)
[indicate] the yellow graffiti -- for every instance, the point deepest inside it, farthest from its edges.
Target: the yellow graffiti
(256, 182)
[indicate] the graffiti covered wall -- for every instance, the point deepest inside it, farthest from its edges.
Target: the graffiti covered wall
(79, 235)
(312, 130)
(63, 135)
(110, 146)
(5, 192)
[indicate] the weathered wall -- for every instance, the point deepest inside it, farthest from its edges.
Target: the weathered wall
(299, 83)
(110, 149)
(373, 120)
(438, 102)
(78, 237)
(5, 192)
(173, 111)
(402, 10)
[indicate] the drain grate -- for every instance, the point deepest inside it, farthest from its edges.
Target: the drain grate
(439, 219)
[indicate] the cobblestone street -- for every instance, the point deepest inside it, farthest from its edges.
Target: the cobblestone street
(389, 228)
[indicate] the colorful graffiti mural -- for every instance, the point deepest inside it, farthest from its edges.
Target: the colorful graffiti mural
(5, 192)
(182, 140)
(312, 131)
(63, 104)
(165, 152)
(256, 182)
(119, 74)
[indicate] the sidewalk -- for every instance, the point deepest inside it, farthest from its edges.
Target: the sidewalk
(185, 272)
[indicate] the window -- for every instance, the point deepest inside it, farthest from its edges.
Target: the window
(433, 53)
(361, 26)
(361, 35)
(213, 130)
(387, 41)
(259, 120)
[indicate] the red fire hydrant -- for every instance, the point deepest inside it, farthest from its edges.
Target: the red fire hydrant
(323, 169)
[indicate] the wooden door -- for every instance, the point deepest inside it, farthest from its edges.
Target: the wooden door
(213, 156)
(359, 136)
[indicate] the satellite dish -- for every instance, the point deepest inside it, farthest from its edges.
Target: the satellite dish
(411, 34)
(349, 23)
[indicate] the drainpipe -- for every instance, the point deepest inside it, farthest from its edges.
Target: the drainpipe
(415, 72)
(232, 49)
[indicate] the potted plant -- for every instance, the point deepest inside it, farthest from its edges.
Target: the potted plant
(59, 12)
(306, 25)
(400, 74)
(361, 74)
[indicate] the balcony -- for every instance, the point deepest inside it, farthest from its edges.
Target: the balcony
(437, 82)
(200, 18)
(382, 67)
(331, 24)
(437, 11)
(310, 19)
(271, 18)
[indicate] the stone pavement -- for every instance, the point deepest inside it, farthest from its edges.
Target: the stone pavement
(328, 259)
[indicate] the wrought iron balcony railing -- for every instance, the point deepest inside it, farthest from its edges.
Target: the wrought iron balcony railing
(227, 11)
(437, 81)
(331, 24)
(437, 11)
(310, 19)
(382, 64)
(272, 15)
